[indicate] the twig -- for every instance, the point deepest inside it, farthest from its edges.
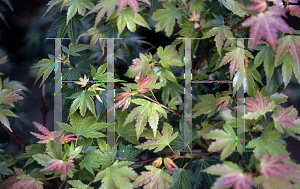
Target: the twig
(154, 96)
(230, 108)
(239, 22)
(203, 56)
(266, 120)
(102, 59)
(63, 183)
(47, 178)
(117, 139)
(18, 137)
(13, 137)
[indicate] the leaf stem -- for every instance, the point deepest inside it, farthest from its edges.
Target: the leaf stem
(266, 120)
(63, 183)
(173, 151)
(154, 96)
(102, 59)
(91, 182)
(117, 139)
(47, 178)
(13, 137)
(76, 141)
(185, 165)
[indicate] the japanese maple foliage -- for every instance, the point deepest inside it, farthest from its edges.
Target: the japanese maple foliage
(194, 139)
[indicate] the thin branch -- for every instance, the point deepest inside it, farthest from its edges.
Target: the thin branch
(117, 139)
(63, 183)
(13, 137)
(203, 56)
(230, 108)
(18, 137)
(102, 59)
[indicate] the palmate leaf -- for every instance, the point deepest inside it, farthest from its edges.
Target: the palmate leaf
(128, 153)
(59, 165)
(128, 131)
(104, 6)
(206, 105)
(182, 179)
(267, 143)
(139, 65)
(90, 162)
(256, 107)
(231, 175)
(266, 24)
(291, 44)
(86, 127)
(173, 90)
(260, 5)
(126, 17)
(154, 178)
(224, 140)
(160, 141)
(202, 164)
(236, 61)
(77, 184)
(65, 27)
(221, 33)
(117, 176)
(26, 181)
(46, 67)
(79, 6)
(132, 3)
(83, 100)
(9, 96)
(148, 111)
(235, 7)
(169, 57)
(166, 18)
(284, 119)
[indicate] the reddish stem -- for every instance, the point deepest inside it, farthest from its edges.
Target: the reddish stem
(102, 59)
(13, 137)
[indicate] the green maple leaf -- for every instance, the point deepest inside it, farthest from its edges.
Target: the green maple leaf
(265, 55)
(3, 117)
(267, 143)
(46, 67)
(126, 131)
(65, 26)
(202, 164)
(160, 141)
(235, 7)
(224, 140)
(206, 105)
(79, 6)
(104, 6)
(256, 107)
(182, 179)
(77, 184)
(90, 162)
(138, 65)
(86, 127)
(106, 154)
(128, 153)
(184, 138)
(173, 90)
(288, 68)
(148, 111)
(291, 44)
(126, 17)
(154, 178)
(83, 99)
(166, 18)
(117, 176)
(169, 57)
(221, 34)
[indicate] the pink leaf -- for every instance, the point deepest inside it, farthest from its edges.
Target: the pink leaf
(294, 10)
(47, 137)
(235, 178)
(266, 25)
(271, 167)
(11, 96)
(284, 119)
(26, 181)
(132, 3)
(57, 165)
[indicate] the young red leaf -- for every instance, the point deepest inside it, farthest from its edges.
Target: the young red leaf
(284, 119)
(132, 3)
(266, 25)
(47, 137)
(26, 181)
(123, 99)
(256, 107)
(66, 139)
(169, 163)
(142, 83)
(260, 5)
(57, 165)
(225, 100)
(157, 162)
(11, 96)
(271, 167)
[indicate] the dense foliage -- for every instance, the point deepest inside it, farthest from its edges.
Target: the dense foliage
(150, 112)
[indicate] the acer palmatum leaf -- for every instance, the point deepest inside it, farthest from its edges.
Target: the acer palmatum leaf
(10, 97)
(47, 135)
(169, 163)
(260, 5)
(143, 82)
(271, 167)
(266, 25)
(57, 165)
(284, 118)
(123, 99)
(236, 179)
(26, 181)
(132, 3)
(294, 10)
(256, 107)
